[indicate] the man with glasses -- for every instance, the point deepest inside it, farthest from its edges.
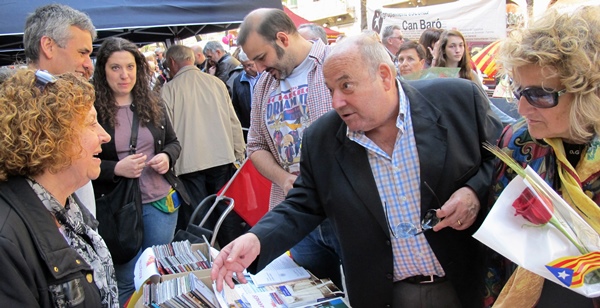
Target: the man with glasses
(58, 39)
(392, 39)
(226, 64)
(160, 61)
(376, 168)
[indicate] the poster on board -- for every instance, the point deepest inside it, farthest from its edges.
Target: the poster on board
(477, 20)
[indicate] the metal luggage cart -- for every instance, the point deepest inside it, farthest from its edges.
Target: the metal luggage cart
(195, 231)
(247, 185)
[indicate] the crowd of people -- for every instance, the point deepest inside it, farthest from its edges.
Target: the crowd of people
(353, 148)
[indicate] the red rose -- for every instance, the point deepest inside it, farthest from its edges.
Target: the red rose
(532, 208)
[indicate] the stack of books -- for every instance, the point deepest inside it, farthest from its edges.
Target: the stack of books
(282, 284)
(164, 262)
(312, 292)
(179, 257)
(186, 291)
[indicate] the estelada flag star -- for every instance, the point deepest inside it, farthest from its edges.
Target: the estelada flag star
(572, 270)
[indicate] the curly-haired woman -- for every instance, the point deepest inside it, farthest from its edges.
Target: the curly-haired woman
(556, 79)
(51, 254)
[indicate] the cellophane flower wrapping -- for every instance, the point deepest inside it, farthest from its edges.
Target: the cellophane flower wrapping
(547, 249)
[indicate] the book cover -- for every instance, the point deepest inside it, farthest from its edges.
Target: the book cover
(308, 291)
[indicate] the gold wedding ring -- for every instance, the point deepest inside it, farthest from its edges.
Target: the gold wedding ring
(459, 223)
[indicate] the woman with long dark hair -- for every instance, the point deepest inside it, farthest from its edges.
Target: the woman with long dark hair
(454, 52)
(122, 92)
(428, 39)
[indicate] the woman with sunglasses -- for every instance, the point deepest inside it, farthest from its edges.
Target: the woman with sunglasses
(122, 92)
(556, 79)
(50, 253)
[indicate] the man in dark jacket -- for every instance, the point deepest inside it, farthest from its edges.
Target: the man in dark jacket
(225, 62)
(242, 90)
(373, 168)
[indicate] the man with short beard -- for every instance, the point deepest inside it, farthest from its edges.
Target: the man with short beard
(286, 100)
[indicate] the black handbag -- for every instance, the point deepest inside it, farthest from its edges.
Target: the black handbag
(120, 213)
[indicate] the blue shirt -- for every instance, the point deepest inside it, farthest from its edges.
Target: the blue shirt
(251, 80)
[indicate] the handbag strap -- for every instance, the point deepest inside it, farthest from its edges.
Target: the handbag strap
(134, 131)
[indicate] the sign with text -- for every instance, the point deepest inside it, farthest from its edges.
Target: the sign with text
(477, 20)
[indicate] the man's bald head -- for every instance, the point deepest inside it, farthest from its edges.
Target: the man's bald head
(267, 23)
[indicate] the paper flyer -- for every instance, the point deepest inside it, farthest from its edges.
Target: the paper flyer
(281, 270)
(145, 268)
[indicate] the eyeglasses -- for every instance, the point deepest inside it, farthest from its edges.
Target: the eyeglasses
(539, 97)
(397, 37)
(406, 230)
(43, 78)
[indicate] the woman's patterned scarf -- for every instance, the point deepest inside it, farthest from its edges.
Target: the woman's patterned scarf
(576, 187)
(74, 229)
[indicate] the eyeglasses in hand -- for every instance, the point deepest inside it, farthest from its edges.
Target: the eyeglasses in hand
(406, 230)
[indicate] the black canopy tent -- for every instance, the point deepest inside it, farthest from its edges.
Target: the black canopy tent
(142, 22)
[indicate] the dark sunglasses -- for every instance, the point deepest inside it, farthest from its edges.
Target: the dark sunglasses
(539, 97)
(43, 78)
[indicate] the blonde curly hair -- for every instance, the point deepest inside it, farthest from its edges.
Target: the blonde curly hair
(568, 44)
(40, 128)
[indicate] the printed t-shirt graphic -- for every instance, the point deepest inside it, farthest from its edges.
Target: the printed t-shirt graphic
(287, 115)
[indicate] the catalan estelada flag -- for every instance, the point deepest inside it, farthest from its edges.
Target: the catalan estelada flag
(571, 270)
(485, 60)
